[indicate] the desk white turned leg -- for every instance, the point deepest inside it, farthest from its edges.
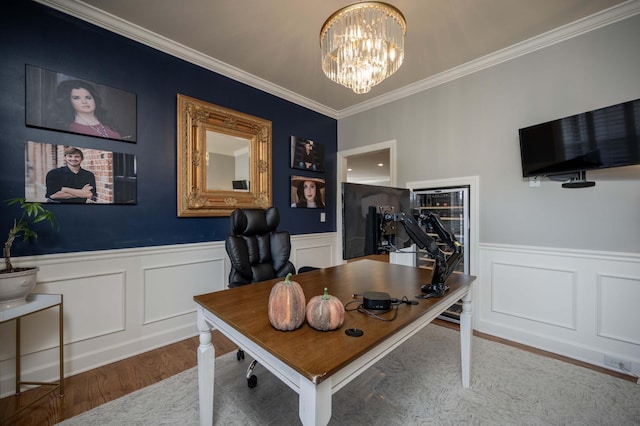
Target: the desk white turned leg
(206, 368)
(466, 331)
(315, 402)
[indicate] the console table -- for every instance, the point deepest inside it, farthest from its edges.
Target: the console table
(36, 303)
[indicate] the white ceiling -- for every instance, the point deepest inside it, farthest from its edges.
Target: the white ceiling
(274, 44)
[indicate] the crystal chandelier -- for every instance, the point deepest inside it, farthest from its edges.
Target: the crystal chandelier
(362, 44)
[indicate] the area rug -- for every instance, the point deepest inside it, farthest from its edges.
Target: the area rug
(417, 384)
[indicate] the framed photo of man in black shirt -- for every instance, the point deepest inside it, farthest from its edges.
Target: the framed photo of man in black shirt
(73, 175)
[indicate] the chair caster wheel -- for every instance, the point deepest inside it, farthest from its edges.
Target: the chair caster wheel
(252, 381)
(240, 355)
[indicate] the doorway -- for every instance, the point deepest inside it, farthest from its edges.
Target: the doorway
(364, 160)
(371, 168)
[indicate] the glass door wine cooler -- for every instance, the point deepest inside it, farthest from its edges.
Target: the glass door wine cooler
(452, 206)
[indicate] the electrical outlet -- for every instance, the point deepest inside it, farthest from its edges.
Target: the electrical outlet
(618, 363)
(323, 217)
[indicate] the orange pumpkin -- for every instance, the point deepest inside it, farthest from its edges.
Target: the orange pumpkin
(325, 312)
(286, 305)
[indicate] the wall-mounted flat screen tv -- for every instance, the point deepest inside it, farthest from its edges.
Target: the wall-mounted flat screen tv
(606, 137)
(362, 208)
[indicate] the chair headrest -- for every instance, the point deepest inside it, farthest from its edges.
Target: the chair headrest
(254, 221)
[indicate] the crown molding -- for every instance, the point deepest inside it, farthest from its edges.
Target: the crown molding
(134, 32)
(560, 34)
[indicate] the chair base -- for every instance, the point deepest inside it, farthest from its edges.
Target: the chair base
(252, 379)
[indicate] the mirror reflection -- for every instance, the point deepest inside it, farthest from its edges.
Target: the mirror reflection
(228, 160)
(224, 159)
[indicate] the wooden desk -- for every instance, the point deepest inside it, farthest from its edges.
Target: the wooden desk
(317, 364)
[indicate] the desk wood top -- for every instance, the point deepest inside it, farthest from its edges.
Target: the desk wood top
(318, 354)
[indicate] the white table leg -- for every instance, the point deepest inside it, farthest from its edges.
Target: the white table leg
(206, 368)
(315, 402)
(466, 332)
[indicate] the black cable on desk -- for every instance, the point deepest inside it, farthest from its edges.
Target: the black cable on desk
(376, 314)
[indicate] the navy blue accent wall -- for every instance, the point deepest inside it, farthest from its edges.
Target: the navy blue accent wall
(36, 35)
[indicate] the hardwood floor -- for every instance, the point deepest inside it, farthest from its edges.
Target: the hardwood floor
(87, 390)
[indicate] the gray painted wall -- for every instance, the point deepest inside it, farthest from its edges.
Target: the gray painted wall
(469, 127)
(221, 170)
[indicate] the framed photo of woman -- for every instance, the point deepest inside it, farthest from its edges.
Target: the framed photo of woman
(307, 192)
(307, 154)
(62, 102)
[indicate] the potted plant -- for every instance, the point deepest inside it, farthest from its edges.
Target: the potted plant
(17, 283)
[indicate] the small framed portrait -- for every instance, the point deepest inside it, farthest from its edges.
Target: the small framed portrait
(73, 175)
(307, 154)
(307, 192)
(62, 102)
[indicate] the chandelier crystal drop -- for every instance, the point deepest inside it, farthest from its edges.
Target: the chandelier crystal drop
(362, 44)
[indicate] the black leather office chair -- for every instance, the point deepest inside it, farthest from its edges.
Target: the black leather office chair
(256, 249)
(258, 252)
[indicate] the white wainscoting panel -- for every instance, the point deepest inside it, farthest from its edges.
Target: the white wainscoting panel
(318, 250)
(619, 308)
(534, 293)
(580, 304)
(103, 318)
(169, 289)
(40, 330)
(119, 303)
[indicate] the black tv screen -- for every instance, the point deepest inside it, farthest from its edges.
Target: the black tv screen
(606, 137)
(362, 206)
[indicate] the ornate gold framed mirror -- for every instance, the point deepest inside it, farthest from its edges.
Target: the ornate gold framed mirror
(224, 159)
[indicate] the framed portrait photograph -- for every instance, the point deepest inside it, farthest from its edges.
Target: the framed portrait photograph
(307, 154)
(74, 175)
(65, 103)
(307, 192)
